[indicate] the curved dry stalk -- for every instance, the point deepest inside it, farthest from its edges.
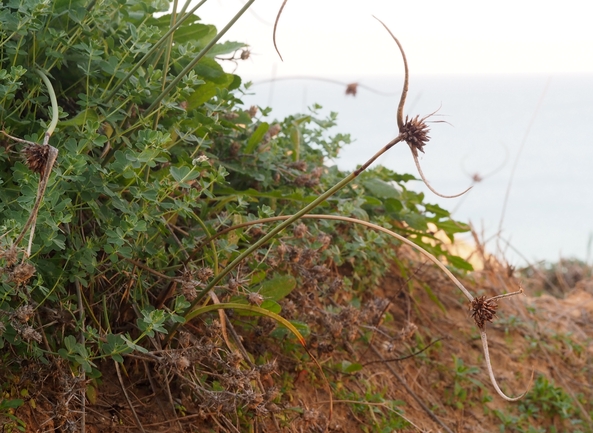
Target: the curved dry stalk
(491, 372)
(421, 173)
(429, 256)
(468, 295)
(415, 130)
(402, 99)
(276, 26)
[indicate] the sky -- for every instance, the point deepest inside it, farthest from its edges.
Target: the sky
(341, 38)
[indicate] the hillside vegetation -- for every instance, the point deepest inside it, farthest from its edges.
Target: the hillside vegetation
(173, 260)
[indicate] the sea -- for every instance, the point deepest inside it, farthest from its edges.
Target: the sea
(524, 142)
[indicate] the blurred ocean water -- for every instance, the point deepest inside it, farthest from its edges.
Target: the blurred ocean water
(542, 125)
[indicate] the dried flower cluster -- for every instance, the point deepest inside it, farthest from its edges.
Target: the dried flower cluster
(483, 310)
(415, 133)
(36, 157)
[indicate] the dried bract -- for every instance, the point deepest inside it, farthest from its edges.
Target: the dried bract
(483, 310)
(36, 157)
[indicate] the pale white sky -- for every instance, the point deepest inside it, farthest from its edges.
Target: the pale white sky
(331, 37)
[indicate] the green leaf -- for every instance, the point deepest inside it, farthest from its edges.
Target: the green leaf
(184, 173)
(256, 137)
(277, 288)
(81, 118)
(233, 306)
(380, 188)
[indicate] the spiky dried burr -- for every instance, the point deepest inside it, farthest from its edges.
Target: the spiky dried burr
(483, 310)
(415, 133)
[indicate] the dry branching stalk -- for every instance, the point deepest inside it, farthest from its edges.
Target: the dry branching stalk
(483, 310)
(40, 159)
(276, 26)
(414, 131)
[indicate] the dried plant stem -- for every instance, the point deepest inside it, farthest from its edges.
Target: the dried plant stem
(52, 155)
(402, 358)
(414, 143)
(276, 26)
(421, 173)
(391, 233)
(401, 380)
(123, 388)
(402, 100)
(491, 372)
(81, 319)
(432, 258)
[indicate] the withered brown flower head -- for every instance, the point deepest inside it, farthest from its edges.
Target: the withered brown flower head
(36, 157)
(22, 273)
(352, 89)
(415, 132)
(483, 310)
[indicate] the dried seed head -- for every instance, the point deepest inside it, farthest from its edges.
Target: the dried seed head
(29, 334)
(324, 240)
(252, 111)
(281, 250)
(204, 274)
(415, 133)
(22, 273)
(351, 89)
(182, 363)
(483, 310)
(245, 54)
(24, 313)
(317, 172)
(300, 231)
(235, 148)
(299, 165)
(274, 130)
(36, 157)
(255, 298)
(9, 255)
(302, 180)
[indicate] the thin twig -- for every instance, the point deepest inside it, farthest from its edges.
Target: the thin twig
(276, 26)
(401, 380)
(425, 180)
(403, 357)
(491, 372)
(123, 388)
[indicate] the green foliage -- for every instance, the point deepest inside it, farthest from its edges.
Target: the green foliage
(463, 384)
(549, 405)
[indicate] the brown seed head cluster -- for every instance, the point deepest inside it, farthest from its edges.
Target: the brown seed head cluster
(36, 157)
(483, 310)
(22, 273)
(415, 133)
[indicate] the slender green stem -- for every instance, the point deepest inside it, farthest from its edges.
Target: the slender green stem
(155, 47)
(200, 55)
